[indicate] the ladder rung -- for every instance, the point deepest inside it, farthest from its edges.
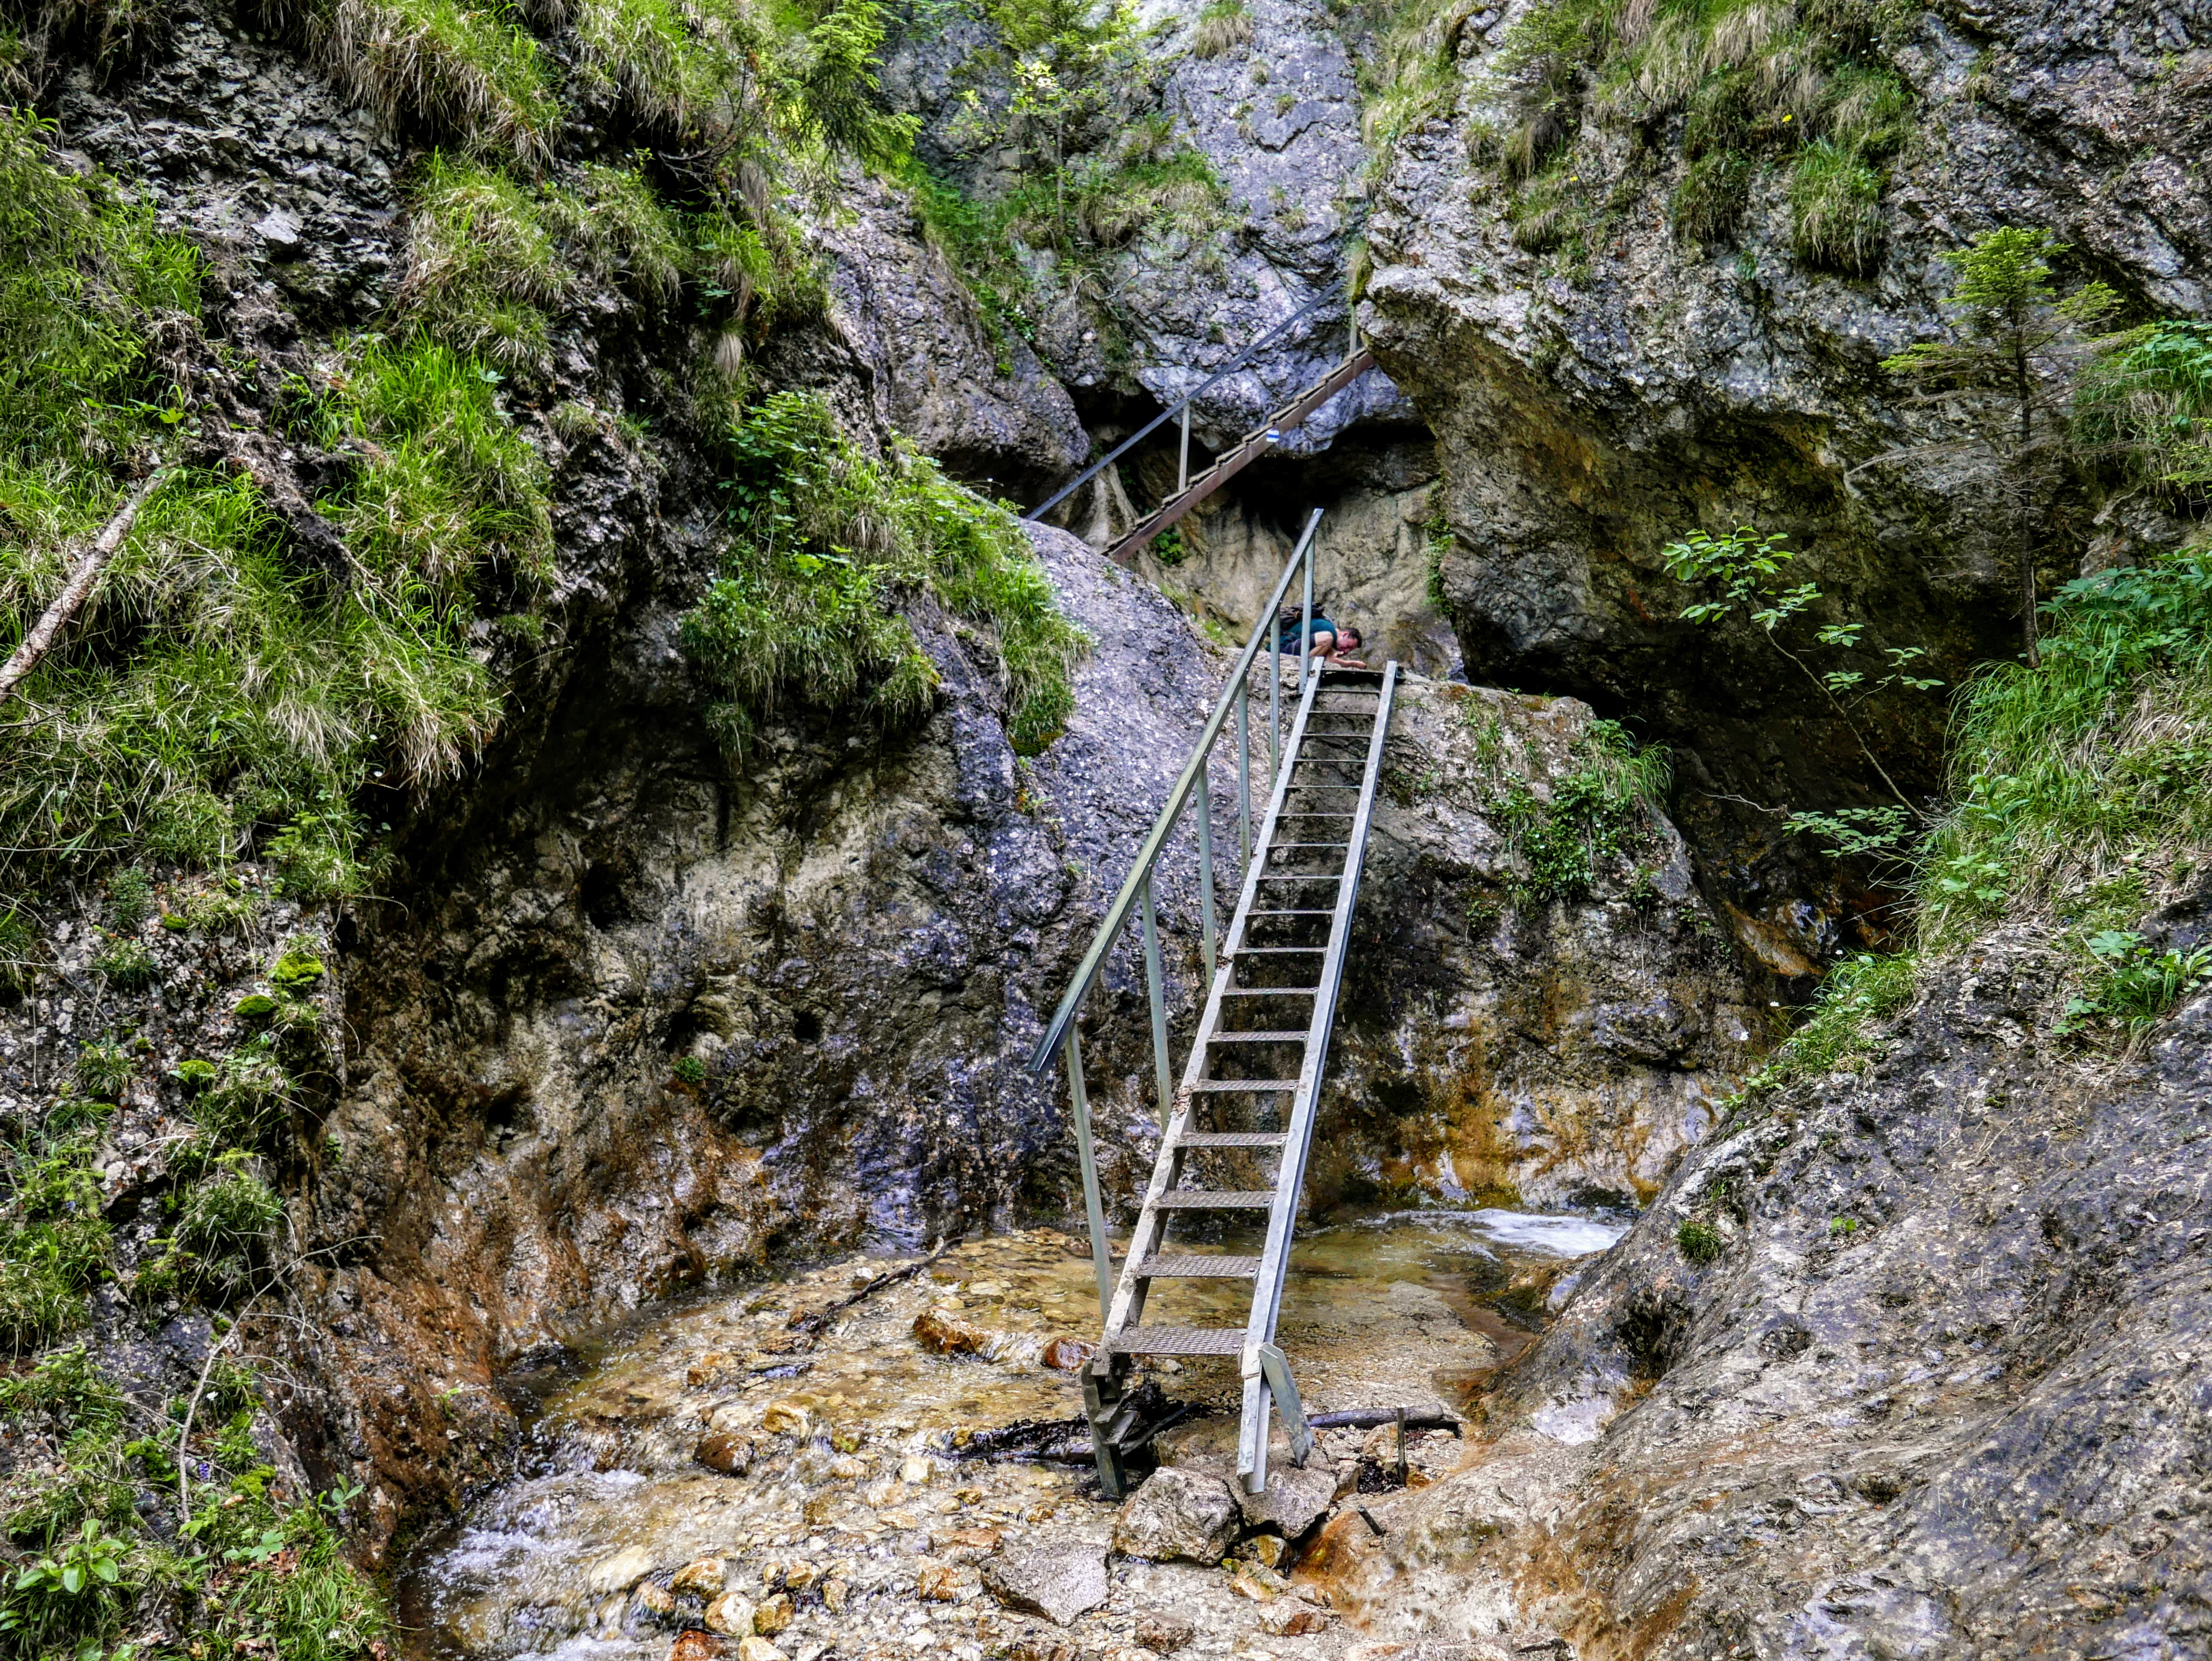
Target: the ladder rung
(1307, 877)
(1197, 1266)
(1220, 1085)
(1178, 1341)
(1216, 1199)
(1230, 1139)
(1277, 1036)
(1295, 785)
(1297, 813)
(1280, 846)
(1298, 913)
(1310, 951)
(1269, 992)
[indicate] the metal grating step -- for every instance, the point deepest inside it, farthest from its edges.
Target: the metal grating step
(1230, 1086)
(1230, 1139)
(1274, 1037)
(1216, 1199)
(1331, 912)
(1198, 1265)
(1269, 992)
(1178, 1341)
(1306, 876)
(1310, 951)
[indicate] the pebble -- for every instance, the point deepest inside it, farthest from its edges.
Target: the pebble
(773, 1615)
(731, 1613)
(704, 1576)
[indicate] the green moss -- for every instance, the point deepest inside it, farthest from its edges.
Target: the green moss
(828, 544)
(1700, 1242)
(255, 1006)
(298, 968)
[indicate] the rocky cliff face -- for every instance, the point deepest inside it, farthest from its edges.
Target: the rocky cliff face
(1934, 1394)
(1603, 380)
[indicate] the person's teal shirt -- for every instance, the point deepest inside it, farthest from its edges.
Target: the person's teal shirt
(1288, 641)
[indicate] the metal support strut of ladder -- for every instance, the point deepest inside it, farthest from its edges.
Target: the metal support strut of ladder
(1252, 1082)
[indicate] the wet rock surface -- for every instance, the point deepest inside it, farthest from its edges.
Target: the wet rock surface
(867, 1523)
(1937, 1395)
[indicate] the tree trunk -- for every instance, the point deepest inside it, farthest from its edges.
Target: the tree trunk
(71, 599)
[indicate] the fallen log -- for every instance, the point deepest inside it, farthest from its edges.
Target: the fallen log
(67, 603)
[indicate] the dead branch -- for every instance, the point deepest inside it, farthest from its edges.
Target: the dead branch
(71, 599)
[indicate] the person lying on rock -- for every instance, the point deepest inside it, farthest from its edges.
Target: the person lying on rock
(1332, 643)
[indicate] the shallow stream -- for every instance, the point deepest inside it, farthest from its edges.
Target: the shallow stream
(846, 1510)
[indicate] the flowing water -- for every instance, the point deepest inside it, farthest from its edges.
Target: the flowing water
(856, 1513)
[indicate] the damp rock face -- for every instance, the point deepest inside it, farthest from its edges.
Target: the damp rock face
(1177, 1514)
(1944, 1281)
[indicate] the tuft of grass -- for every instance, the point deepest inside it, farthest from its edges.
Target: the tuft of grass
(828, 545)
(54, 1243)
(1222, 25)
(1710, 196)
(1835, 208)
(1596, 813)
(459, 70)
(1838, 1034)
(482, 264)
(1700, 1242)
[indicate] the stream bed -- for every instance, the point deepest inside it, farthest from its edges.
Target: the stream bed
(758, 1450)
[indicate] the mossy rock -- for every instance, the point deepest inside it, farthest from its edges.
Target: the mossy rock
(256, 1006)
(195, 1075)
(296, 970)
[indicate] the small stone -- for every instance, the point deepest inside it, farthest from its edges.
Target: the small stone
(797, 1577)
(782, 1416)
(967, 1544)
(1177, 1514)
(948, 1335)
(702, 1577)
(759, 1649)
(939, 1583)
(915, 1472)
(1254, 1581)
(1294, 1620)
(1264, 1548)
(1163, 1634)
(730, 1455)
(281, 231)
(654, 1600)
(848, 1468)
(731, 1613)
(700, 1646)
(1068, 1354)
(1060, 1582)
(833, 1596)
(620, 1572)
(773, 1615)
(987, 1288)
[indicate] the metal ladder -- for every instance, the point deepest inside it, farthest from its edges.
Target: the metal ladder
(1242, 1052)
(1293, 917)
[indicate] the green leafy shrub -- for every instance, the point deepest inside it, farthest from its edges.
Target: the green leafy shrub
(1596, 813)
(2134, 985)
(104, 1068)
(2147, 402)
(828, 543)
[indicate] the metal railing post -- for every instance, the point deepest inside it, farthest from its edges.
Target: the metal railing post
(1206, 875)
(1156, 991)
(1305, 636)
(1183, 464)
(1244, 781)
(1274, 706)
(1102, 1259)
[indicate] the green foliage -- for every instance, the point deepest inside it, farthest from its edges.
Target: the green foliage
(299, 968)
(104, 1068)
(1599, 812)
(54, 1243)
(836, 98)
(18, 948)
(248, 1099)
(2148, 398)
(1835, 206)
(2089, 771)
(459, 69)
(1700, 1242)
(126, 964)
(2134, 985)
(1754, 84)
(688, 1070)
(828, 543)
(1169, 548)
(194, 1074)
(1838, 1033)
(130, 899)
(1222, 25)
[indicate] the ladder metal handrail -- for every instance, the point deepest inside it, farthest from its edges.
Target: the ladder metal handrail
(1155, 843)
(1334, 291)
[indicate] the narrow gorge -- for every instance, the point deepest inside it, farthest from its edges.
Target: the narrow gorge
(551, 785)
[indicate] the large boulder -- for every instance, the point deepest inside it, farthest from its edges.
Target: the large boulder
(1178, 1514)
(1295, 1499)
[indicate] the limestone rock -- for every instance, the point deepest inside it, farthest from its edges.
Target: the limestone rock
(774, 1614)
(700, 1646)
(732, 1455)
(1065, 1354)
(702, 1577)
(948, 1335)
(758, 1649)
(620, 1572)
(731, 1613)
(1060, 1582)
(1295, 1501)
(1177, 1514)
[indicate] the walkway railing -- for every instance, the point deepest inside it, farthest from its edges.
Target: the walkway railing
(1060, 1032)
